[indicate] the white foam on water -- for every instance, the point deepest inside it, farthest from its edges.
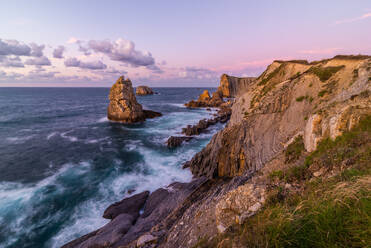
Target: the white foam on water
(70, 138)
(51, 135)
(103, 119)
(19, 139)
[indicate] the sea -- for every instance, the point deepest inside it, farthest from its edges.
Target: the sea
(62, 163)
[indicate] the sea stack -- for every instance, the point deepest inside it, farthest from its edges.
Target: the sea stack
(123, 106)
(143, 90)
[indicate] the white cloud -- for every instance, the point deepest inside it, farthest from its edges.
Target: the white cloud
(359, 18)
(92, 65)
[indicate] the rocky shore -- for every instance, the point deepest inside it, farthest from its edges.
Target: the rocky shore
(266, 152)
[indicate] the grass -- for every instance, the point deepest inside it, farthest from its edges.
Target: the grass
(322, 93)
(294, 150)
(325, 212)
(325, 73)
(271, 75)
(302, 98)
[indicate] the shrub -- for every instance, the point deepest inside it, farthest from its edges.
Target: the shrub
(325, 73)
(294, 150)
(300, 98)
(322, 93)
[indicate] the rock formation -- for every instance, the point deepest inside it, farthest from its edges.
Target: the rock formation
(175, 141)
(204, 100)
(291, 102)
(233, 86)
(144, 90)
(123, 106)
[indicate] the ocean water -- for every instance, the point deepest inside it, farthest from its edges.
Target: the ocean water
(62, 162)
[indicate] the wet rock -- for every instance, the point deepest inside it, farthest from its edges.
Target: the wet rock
(144, 90)
(130, 206)
(175, 141)
(149, 114)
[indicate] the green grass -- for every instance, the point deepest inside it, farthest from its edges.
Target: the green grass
(294, 150)
(300, 98)
(325, 73)
(322, 93)
(271, 75)
(326, 212)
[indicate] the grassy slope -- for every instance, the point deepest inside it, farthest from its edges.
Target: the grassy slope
(328, 211)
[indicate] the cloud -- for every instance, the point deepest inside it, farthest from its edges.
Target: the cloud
(36, 50)
(93, 65)
(197, 73)
(123, 51)
(58, 52)
(38, 61)
(359, 18)
(14, 47)
(10, 61)
(80, 43)
(320, 51)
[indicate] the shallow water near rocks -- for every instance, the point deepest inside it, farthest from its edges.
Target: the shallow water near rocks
(62, 162)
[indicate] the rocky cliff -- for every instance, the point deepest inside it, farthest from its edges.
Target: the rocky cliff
(282, 137)
(233, 86)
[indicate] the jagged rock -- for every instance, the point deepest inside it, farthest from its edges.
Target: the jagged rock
(149, 114)
(239, 204)
(175, 141)
(145, 239)
(130, 205)
(123, 106)
(144, 90)
(109, 234)
(204, 100)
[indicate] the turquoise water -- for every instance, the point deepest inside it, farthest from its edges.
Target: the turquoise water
(62, 162)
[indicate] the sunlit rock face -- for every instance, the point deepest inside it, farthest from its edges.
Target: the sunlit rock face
(144, 90)
(123, 106)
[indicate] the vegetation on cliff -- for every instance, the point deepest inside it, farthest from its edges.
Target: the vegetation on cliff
(332, 209)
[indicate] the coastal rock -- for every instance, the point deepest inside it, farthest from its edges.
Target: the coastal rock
(175, 141)
(204, 100)
(149, 114)
(239, 204)
(130, 206)
(146, 239)
(144, 90)
(123, 106)
(233, 86)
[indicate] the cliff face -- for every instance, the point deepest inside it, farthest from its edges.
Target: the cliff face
(233, 86)
(289, 99)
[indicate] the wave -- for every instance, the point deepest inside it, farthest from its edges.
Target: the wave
(51, 135)
(103, 119)
(18, 140)
(70, 138)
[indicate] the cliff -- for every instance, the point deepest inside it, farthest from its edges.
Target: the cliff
(233, 86)
(298, 144)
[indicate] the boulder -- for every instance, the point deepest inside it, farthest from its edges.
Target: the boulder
(130, 205)
(144, 90)
(175, 141)
(123, 106)
(204, 100)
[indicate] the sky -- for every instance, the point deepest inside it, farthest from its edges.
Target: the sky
(167, 43)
